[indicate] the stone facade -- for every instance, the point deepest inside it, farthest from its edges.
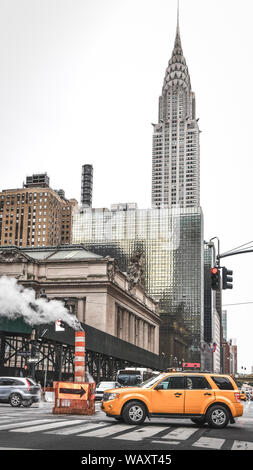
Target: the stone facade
(91, 286)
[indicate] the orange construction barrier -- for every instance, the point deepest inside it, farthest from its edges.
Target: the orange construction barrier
(74, 398)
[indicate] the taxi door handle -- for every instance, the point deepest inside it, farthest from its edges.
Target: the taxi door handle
(207, 394)
(177, 394)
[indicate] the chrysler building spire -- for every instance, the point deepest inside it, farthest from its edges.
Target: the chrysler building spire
(175, 173)
(178, 31)
(177, 70)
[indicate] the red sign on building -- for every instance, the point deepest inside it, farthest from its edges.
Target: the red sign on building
(191, 365)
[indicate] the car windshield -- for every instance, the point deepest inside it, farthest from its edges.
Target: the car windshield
(106, 384)
(148, 383)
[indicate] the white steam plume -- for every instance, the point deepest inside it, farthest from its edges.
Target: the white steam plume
(17, 302)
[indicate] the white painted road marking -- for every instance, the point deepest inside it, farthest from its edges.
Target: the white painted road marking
(108, 431)
(15, 448)
(242, 445)
(77, 429)
(4, 427)
(86, 428)
(209, 442)
(141, 433)
(166, 442)
(44, 427)
(180, 433)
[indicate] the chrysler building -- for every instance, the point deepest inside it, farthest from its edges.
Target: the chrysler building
(175, 156)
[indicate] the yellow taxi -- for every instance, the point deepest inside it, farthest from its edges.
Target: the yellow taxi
(202, 397)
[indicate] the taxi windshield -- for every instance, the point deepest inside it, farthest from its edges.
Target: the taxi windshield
(151, 381)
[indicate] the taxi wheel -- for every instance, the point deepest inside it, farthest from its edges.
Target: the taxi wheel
(217, 416)
(134, 412)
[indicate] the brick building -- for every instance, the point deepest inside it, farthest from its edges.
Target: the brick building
(35, 215)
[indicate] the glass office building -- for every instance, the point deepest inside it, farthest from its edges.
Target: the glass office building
(171, 241)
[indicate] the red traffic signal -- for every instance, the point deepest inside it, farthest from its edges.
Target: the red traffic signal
(215, 278)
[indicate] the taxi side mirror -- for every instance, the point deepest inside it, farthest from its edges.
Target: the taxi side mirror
(159, 387)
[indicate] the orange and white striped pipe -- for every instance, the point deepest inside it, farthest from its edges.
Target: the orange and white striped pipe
(80, 356)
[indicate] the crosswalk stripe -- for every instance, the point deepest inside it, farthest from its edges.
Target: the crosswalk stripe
(180, 433)
(6, 420)
(15, 448)
(141, 433)
(166, 442)
(108, 431)
(209, 442)
(242, 445)
(5, 427)
(51, 425)
(77, 429)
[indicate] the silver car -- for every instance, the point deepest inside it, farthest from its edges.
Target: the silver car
(19, 391)
(102, 386)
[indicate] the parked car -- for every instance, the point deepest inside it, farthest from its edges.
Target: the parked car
(202, 397)
(102, 386)
(19, 391)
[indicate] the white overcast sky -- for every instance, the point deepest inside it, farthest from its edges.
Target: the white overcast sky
(79, 83)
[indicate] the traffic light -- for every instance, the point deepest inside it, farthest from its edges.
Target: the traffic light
(215, 278)
(227, 279)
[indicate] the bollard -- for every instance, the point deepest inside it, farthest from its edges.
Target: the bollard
(80, 356)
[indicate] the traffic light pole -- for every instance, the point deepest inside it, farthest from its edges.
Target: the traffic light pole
(226, 274)
(211, 244)
(239, 252)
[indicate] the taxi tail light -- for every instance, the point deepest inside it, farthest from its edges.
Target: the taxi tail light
(238, 397)
(28, 385)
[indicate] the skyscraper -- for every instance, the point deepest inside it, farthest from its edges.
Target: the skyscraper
(170, 242)
(169, 237)
(175, 158)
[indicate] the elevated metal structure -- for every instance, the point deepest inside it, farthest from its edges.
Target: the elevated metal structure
(52, 353)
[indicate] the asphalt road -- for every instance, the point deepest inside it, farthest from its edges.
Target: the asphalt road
(37, 428)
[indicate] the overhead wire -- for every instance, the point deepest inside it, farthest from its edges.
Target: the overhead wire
(239, 303)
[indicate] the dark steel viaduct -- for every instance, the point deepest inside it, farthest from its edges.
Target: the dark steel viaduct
(50, 354)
